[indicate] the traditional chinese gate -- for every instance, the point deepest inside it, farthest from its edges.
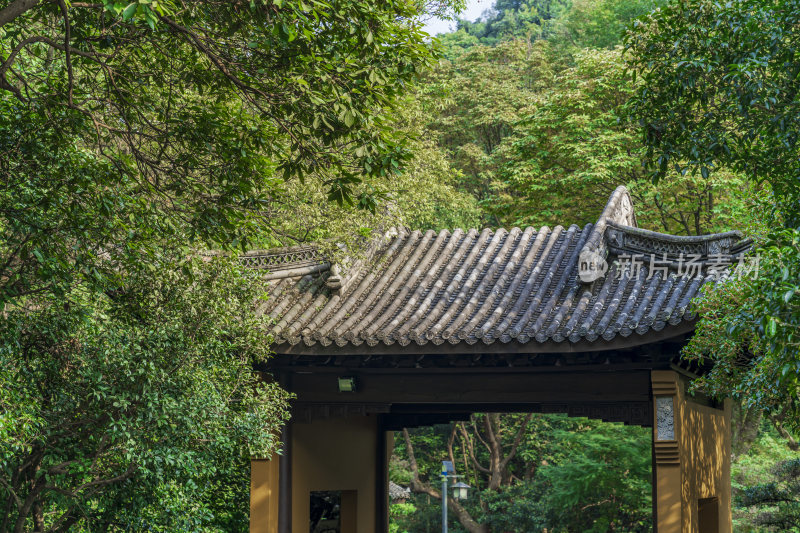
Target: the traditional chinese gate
(428, 328)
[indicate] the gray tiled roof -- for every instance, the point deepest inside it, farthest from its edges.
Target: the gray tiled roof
(397, 492)
(519, 285)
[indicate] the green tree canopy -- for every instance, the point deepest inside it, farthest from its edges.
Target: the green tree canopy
(543, 138)
(124, 412)
(577, 145)
(123, 122)
(720, 87)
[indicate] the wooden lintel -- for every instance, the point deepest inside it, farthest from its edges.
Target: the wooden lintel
(423, 387)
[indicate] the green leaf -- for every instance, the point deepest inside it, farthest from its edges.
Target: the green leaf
(772, 326)
(129, 11)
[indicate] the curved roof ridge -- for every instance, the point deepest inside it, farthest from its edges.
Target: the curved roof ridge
(622, 239)
(676, 238)
(618, 210)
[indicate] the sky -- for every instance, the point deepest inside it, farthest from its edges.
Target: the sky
(471, 12)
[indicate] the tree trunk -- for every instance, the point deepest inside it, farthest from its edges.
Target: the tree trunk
(15, 9)
(745, 425)
(790, 440)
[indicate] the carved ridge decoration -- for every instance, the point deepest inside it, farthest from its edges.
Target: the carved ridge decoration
(634, 413)
(282, 258)
(626, 240)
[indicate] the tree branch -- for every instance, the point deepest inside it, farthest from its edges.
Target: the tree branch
(517, 439)
(471, 450)
(15, 9)
(67, 50)
(790, 440)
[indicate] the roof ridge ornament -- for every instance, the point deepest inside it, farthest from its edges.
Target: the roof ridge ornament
(626, 240)
(592, 263)
(286, 262)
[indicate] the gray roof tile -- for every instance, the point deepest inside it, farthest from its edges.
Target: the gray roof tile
(493, 286)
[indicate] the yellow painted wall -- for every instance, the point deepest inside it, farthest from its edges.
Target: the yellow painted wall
(264, 495)
(335, 454)
(705, 447)
(669, 501)
(702, 466)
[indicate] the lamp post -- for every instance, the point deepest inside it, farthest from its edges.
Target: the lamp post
(447, 470)
(444, 502)
(460, 490)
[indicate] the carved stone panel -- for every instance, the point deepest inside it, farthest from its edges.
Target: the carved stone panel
(665, 418)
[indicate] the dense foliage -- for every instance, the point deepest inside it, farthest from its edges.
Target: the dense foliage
(540, 131)
(125, 412)
(781, 497)
(557, 473)
(750, 329)
(186, 118)
(720, 87)
(571, 23)
(763, 465)
(132, 137)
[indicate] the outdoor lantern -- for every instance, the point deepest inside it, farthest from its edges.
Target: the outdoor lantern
(347, 384)
(461, 490)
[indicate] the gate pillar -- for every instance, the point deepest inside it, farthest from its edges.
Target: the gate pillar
(270, 489)
(264, 490)
(691, 460)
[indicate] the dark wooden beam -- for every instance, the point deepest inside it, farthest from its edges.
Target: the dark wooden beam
(282, 365)
(396, 422)
(425, 388)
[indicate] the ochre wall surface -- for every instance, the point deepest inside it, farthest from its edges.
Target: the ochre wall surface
(335, 454)
(264, 495)
(706, 453)
(694, 466)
